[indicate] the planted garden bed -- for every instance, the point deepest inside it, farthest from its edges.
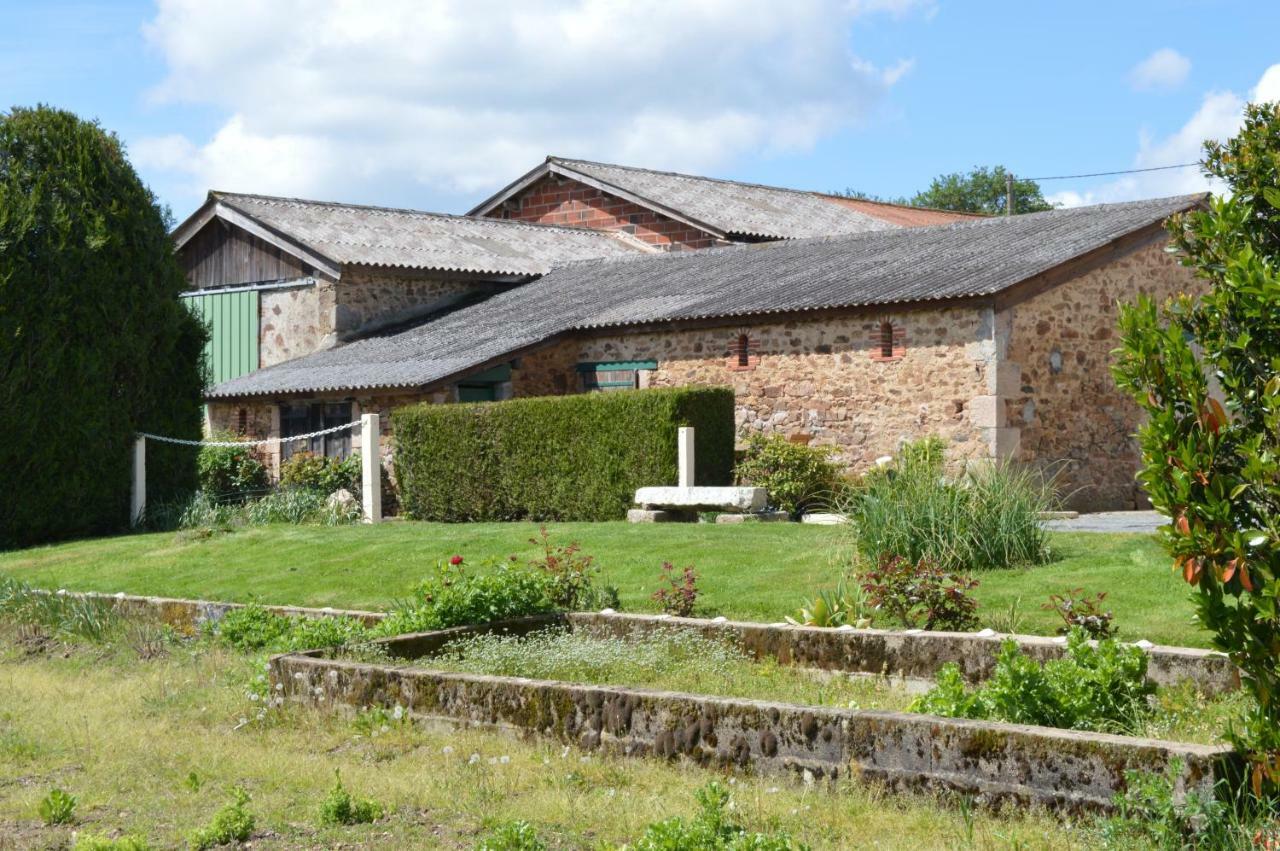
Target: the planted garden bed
(711, 711)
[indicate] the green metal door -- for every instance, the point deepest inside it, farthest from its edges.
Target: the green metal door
(232, 318)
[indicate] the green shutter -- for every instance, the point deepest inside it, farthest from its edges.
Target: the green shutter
(232, 318)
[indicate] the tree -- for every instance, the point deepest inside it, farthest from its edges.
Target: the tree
(1207, 374)
(95, 344)
(982, 190)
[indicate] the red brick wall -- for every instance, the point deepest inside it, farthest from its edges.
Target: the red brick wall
(557, 200)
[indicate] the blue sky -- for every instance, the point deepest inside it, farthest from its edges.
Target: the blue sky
(433, 106)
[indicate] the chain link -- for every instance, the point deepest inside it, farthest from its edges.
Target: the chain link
(263, 442)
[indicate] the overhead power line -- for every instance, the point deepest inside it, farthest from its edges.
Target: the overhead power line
(1111, 173)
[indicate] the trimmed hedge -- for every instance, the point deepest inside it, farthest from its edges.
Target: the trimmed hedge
(556, 458)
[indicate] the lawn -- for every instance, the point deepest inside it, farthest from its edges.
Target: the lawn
(151, 748)
(757, 572)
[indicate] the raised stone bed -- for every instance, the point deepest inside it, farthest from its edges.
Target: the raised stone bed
(996, 762)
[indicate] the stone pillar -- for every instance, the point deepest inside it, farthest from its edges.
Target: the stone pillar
(138, 496)
(684, 455)
(371, 468)
(1003, 381)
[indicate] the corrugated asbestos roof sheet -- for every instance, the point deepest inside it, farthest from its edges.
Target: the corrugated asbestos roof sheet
(738, 209)
(382, 236)
(910, 265)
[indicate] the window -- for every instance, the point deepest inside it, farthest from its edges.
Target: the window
(242, 422)
(886, 339)
(315, 416)
(744, 350)
(616, 375)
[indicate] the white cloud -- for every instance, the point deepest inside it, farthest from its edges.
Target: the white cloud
(365, 101)
(1219, 117)
(1164, 69)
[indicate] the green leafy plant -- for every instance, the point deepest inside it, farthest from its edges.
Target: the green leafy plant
(512, 836)
(570, 571)
(1009, 621)
(321, 473)
(455, 595)
(921, 595)
(1092, 687)
(987, 517)
(710, 830)
(678, 595)
(231, 473)
(845, 604)
(57, 807)
(254, 627)
(340, 807)
(65, 615)
(95, 842)
(1206, 374)
(796, 476)
(232, 823)
(1078, 609)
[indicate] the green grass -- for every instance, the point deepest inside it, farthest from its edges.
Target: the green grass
(151, 748)
(756, 572)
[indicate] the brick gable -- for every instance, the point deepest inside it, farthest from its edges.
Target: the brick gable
(558, 200)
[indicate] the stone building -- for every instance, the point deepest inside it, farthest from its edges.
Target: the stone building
(992, 333)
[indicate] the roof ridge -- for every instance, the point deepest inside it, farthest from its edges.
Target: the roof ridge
(567, 160)
(220, 195)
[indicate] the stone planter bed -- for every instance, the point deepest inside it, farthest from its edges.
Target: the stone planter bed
(996, 762)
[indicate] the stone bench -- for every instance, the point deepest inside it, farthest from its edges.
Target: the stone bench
(667, 504)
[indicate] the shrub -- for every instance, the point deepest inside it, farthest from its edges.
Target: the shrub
(796, 476)
(321, 473)
(62, 614)
(1206, 375)
(231, 473)
(1085, 612)
(339, 807)
(95, 343)
(298, 506)
(560, 458)
(456, 596)
(679, 594)
(57, 808)
(710, 830)
(569, 571)
(986, 518)
(1102, 687)
(232, 823)
(254, 627)
(921, 595)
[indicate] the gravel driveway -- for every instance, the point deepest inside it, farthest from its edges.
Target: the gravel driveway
(1110, 521)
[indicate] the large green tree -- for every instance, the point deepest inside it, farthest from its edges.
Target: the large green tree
(94, 341)
(982, 190)
(1207, 373)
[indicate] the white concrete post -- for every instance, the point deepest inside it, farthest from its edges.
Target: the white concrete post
(684, 456)
(138, 500)
(371, 468)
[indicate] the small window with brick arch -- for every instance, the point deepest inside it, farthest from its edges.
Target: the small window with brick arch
(886, 339)
(743, 350)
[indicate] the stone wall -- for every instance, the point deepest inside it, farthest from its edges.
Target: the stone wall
(367, 297)
(1070, 414)
(559, 200)
(821, 381)
(294, 322)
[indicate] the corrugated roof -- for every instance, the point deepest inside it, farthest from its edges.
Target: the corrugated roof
(924, 264)
(384, 236)
(902, 215)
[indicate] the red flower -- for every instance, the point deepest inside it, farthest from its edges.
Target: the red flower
(455, 561)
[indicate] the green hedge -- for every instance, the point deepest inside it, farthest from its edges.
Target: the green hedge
(556, 458)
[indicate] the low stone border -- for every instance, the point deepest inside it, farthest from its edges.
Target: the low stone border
(907, 655)
(1061, 769)
(188, 615)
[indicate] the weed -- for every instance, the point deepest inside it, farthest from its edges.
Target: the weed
(512, 836)
(340, 807)
(94, 842)
(678, 595)
(232, 823)
(1078, 609)
(57, 807)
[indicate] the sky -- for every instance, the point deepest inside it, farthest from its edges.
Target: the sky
(436, 104)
